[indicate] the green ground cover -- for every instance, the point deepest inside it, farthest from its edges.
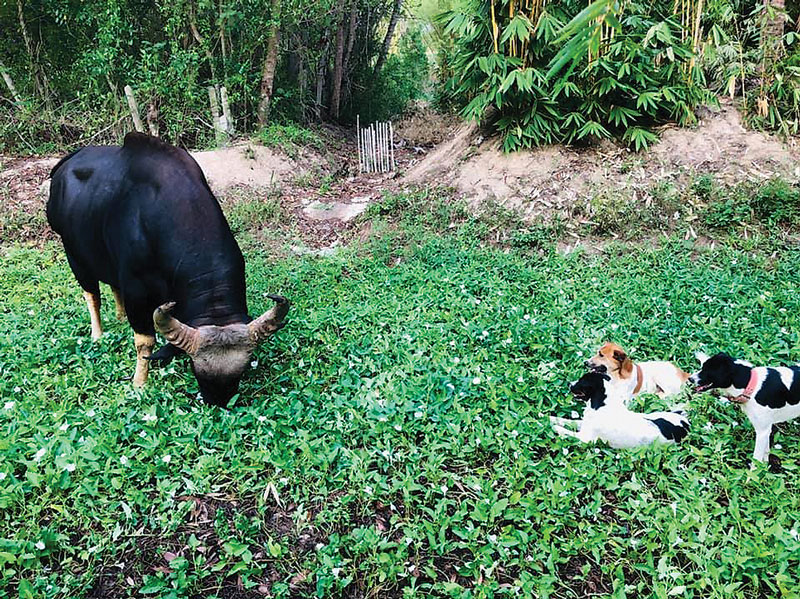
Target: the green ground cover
(393, 439)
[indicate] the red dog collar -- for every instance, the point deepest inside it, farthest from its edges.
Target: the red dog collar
(639, 376)
(749, 390)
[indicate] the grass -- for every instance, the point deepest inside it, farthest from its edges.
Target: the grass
(393, 440)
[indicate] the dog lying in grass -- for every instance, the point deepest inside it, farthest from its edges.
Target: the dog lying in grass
(662, 378)
(606, 417)
(767, 395)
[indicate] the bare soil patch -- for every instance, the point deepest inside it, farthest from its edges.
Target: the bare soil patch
(554, 179)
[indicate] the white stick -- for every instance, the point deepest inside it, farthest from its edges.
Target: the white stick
(358, 145)
(391, 143)
(383, 148)
(380, 133)
(374, 147)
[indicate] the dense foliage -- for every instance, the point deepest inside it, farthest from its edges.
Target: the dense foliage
(393, 440)
(564, 72)
(69, 62)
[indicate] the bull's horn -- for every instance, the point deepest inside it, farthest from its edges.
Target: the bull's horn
(173, 330)
(271, 321)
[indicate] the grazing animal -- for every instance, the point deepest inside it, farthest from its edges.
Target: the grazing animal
(606, 418)
(767, 395)
(142, 219)
(663, 378)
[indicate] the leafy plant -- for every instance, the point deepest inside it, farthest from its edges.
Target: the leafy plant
(608, 73)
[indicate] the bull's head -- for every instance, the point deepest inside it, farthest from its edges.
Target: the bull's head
(220, 354)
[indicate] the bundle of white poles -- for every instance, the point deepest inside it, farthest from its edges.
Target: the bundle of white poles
(375, 147)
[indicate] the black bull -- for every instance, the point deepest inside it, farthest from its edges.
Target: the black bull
(142, 219)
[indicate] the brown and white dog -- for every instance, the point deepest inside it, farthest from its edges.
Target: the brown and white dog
(663, 378)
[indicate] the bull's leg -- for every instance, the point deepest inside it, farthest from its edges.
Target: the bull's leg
(120, 303)
(144, 349)
(93, 303)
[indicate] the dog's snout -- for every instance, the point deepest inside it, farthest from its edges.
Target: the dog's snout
(693, 379)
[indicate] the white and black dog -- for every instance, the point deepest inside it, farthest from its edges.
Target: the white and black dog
(606, 418)
(767, 395)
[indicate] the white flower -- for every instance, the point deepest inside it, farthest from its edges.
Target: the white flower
(166, 459)
(40, 545)
(283, 480)
(476, 380)
(262, 418)
(456, 360)
(64, 427)
(368, 490)
(143, 434)
(9, 405)
(408, 540)
(443, 489)
(794, 533)
(574, 414)
(2, 475)
(417, 414)
(149, 418)
(335, 572)
(318, 546)
(492, 538)
(397, 427)
(520, 379)
(411, 569)
(70, 467)
(31, 312)
(90, 413)
(17, 389)
(254, 364)
(39, 454)
(124, 460)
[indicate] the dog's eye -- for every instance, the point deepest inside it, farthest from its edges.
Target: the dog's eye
(600, 354)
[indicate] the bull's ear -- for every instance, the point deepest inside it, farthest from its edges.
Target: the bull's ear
(271, 321)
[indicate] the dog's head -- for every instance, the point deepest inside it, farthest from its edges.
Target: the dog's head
(611, 359)
(591, 388)
(715, 372)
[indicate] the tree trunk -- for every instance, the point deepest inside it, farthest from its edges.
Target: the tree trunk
(387, 41)
(200, 40)
(270, 62)
(336, 92)
(38, 84)
(772, 32)
(10, 83)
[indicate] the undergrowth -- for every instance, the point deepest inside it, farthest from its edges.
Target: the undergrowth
(392, 440)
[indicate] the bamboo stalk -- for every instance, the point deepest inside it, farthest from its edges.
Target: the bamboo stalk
(134, 108)
(494, 29)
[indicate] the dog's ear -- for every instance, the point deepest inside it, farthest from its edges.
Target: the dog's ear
(701, 357)
(625, 363)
